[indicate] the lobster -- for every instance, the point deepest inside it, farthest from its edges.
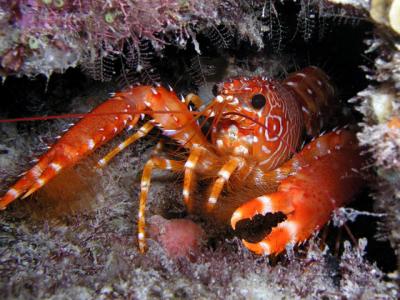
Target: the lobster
(250, 170)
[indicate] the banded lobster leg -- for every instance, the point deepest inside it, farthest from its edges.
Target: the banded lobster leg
(324, 176)
(102, 124)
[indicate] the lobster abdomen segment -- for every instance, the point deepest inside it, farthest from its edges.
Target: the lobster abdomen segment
(314, 92)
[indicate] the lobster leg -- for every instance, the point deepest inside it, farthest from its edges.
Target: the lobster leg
(223, 176)
(142, 131)
(307, 198)
(155, 162)
(188, 180)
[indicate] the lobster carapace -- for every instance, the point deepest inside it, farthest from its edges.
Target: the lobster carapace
(253, 161)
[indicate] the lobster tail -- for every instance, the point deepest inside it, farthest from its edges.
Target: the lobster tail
(314, 92)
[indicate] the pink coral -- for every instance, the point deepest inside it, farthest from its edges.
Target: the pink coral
(179, 237)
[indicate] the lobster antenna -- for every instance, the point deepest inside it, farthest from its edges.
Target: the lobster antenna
(83, 115)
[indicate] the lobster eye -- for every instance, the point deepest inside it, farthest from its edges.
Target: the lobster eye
(258, 101)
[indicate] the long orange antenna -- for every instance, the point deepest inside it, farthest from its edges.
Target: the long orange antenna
(83, 115)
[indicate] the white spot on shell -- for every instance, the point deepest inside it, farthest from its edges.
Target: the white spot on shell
(36, 171)
(235, 101)
(40, 182)
(12, 192)
(142, 131)
(168, 164)
(304, 109)
(266, 248)
(241, 150)
(291, 83)
(55, 166)
(291, 227)
(233, 131)
(266, 203)
(224, 174)
(169, 132)
(212, 200)
(265, 149)
(237, 215)
(91, 144)
(189, 164)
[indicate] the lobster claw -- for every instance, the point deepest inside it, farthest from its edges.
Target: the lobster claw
(327, 179)
(94, 130)
(105, 122)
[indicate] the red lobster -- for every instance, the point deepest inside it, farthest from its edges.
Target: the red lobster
(254, 177)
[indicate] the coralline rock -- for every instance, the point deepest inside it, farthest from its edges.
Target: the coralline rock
(380, 106)
(42, 37)
(386, 12)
